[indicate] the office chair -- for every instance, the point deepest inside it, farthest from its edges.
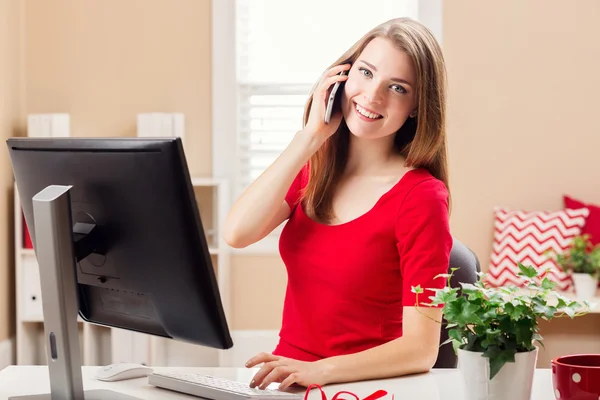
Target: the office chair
(466, 261)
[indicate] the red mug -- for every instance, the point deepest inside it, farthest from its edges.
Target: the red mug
(576, 377)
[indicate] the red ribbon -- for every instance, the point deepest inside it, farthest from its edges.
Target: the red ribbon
(373, 396)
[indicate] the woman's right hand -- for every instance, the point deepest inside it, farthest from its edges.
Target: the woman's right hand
(316, 125)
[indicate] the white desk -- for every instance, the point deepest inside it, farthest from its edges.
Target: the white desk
(439, 384)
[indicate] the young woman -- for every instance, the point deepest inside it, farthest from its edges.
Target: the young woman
(367, 205)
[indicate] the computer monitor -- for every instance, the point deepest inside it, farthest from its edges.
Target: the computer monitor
(119, 241)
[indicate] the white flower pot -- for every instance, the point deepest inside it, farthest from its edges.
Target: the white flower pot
(512, 382)
(585, 285)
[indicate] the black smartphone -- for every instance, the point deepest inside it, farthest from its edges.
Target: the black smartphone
(332, 98)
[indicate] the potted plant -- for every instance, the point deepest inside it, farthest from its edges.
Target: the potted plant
(582, 261)
(493, 331)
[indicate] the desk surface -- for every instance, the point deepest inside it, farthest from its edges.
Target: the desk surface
(439, 384)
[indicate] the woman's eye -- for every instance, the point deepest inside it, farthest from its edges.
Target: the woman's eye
(365, 72)
(398, 88)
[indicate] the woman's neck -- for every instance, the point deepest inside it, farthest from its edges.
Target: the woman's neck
(370, 156)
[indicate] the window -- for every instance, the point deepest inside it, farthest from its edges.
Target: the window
(278, 50)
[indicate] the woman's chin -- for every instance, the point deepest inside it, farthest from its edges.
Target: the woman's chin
(364, 132)
(366, 135)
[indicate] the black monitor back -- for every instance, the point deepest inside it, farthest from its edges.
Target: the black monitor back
(156, 274)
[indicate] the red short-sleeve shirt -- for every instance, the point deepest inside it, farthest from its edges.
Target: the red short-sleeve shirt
(348, 283)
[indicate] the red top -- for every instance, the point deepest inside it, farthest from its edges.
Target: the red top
(347, 283)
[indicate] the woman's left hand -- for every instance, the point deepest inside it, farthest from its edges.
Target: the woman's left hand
(287, 371)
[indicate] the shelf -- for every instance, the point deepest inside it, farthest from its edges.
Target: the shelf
(594, 301)
(41, 320)
(202, 181)
(28, 252)
(31, 253)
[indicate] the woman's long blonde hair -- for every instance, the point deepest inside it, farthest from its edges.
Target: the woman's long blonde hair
(421, 140)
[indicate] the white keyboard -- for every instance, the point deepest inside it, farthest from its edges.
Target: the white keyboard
(214, 388)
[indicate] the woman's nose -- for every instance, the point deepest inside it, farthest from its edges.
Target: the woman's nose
(372, 94)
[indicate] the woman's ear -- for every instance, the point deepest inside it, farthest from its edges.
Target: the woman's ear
(413, 113)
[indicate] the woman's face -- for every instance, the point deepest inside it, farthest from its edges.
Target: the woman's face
(380, 92)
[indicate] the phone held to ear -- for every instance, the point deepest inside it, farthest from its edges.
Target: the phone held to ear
(332, 98)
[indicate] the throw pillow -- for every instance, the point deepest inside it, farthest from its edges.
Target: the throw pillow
(592, 223)
(524, 236)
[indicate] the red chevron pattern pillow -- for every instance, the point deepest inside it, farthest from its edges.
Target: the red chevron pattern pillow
(592, 222)
(522, 236)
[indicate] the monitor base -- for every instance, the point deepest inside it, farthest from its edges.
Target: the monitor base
(100, 394)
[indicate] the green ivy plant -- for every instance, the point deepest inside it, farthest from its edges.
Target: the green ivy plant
(501, 321)
(580, 257)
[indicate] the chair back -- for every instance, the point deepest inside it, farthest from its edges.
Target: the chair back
(466, 261)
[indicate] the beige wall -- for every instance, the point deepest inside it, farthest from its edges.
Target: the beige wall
(10, 74)
(523, 81)
(258, 288)
(523, 105)
(106, 61)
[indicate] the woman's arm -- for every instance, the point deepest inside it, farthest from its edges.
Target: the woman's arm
(416, 351)
(261, 207)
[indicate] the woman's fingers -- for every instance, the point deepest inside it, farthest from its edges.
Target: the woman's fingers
(289, 381)
(265, 370)
(260, 358)
(278, 374)
(337, 69)
(316, 124)
(324, 89)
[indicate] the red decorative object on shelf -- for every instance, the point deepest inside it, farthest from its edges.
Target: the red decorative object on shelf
(27, 243)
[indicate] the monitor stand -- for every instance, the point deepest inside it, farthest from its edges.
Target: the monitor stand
(56, 254)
